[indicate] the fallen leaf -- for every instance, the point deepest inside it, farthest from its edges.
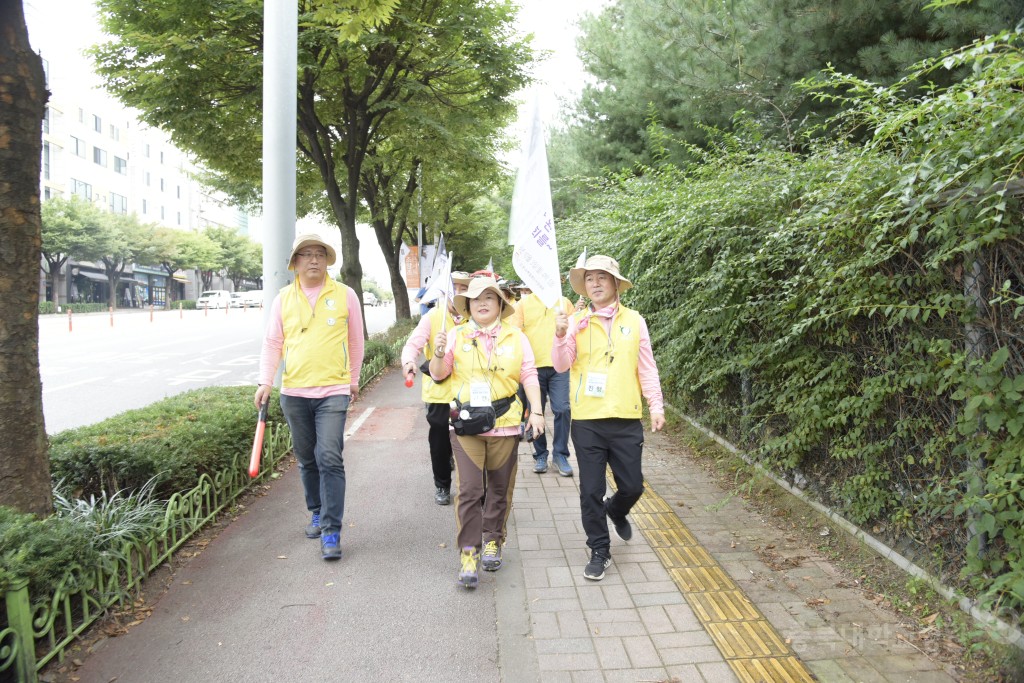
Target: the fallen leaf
(186, 618)
(930, 618)
(186, 583)
(282, 557)
(329, 583)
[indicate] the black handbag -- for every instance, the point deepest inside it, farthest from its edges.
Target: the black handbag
(472, 420)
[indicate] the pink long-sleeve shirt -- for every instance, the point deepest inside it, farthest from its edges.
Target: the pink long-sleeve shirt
(273, 344)
(527, 372)
(418, 340)
(563, 355)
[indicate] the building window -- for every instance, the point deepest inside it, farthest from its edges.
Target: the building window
(115, 132)
(179, 191)
(78, 146)
(179, 218)
(99, 156)
(147, 150)
(97, 123)
(161, 184)
(81, 189)
(118, 203)
(143, 206)
(46, 192)
(46, 72)
(46, 120)
(161, 157)
(121, 165)
(46, 160)
(147, 178)
(81, 115)
(162, 216)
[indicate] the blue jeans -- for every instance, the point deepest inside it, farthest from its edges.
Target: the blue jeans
(318, 439)
(554, 386)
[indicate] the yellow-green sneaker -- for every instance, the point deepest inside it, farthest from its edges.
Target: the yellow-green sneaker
(468, 575)
(491, 559)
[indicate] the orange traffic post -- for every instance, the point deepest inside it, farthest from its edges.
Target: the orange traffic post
(151, 313)
(111, 308)
(180, 314)
(69, 318)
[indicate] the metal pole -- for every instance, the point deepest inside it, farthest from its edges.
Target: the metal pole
(280, 68)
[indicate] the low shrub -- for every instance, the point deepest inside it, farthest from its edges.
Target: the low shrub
(172, 442)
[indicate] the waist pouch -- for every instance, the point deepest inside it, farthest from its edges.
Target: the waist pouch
(471, 420)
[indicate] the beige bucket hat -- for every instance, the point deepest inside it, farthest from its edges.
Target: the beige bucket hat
(597, 262)
(478, 286)
(460, 277)
(311, 240)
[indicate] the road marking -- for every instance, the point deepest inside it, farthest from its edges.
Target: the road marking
(359, 422)
(73, 384)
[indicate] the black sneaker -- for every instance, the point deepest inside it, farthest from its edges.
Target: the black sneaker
(442, 496)
(623, 529)
(313, 528)
(600, 558)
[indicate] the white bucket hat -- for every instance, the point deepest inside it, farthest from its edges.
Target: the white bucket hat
(597, 262)
(478, 286)
(311, 240)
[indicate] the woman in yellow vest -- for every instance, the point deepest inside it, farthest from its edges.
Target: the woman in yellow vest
(486, 360)
(436, 395)
(607, 350)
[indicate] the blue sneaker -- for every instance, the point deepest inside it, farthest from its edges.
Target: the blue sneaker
(313, 528)
(562, 463)
(540, 465)
(329, 548)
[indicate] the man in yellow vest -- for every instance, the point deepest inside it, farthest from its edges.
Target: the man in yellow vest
(436, 395)
(537, 322)
(607, 350)
(316, 326)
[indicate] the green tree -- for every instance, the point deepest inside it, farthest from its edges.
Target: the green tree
(194, 70)
(24, 468)
(694, 64)
(68, 231)
(121, 240)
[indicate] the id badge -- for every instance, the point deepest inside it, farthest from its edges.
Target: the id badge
(597, 382)
(479, 394)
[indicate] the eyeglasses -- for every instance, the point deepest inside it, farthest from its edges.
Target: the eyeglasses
(312, 254)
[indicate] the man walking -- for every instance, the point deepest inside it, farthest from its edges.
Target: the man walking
(607, 349)
(317, 327)
(537, 322)
(436, 395)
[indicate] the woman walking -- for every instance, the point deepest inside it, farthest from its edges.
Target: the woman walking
(487, 361)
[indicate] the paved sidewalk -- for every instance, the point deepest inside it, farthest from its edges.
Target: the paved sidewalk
(259, 605)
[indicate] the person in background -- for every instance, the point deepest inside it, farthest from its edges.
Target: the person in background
(537, 322)
(486, 361)
(436, 395)
(315, 324)
(607, 350)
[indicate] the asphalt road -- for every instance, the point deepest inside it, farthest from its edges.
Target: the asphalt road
(97, 369)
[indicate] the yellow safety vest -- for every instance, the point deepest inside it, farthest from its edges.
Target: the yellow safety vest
(617, 358)
(434, 392)
(500, 371)
(315, 340)
(539, 326)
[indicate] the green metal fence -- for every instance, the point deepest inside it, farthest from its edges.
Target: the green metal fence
(40, 627)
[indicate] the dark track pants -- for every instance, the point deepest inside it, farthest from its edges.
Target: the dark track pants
(610, 442)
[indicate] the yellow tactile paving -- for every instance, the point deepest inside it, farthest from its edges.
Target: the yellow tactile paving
(749, 643)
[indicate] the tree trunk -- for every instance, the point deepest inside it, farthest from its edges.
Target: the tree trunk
(54, 265)
(24, 466)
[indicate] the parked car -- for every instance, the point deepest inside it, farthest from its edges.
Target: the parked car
(214, 298)
(250, 299)
(369, 299)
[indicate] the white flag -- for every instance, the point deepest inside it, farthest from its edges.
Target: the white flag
(582, 259)
(532, 223)
(440, 281)
(490, 266)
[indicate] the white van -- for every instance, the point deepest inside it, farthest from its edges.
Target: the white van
(214, 298)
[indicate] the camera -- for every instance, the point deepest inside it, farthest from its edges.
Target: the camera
(528, 433)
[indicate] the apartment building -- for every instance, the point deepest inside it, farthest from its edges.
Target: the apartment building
(95, 148)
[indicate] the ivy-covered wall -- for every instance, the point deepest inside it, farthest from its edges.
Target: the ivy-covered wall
(851, 311)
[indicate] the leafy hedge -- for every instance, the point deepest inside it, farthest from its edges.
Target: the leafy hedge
(172, 442)
(852, 312)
